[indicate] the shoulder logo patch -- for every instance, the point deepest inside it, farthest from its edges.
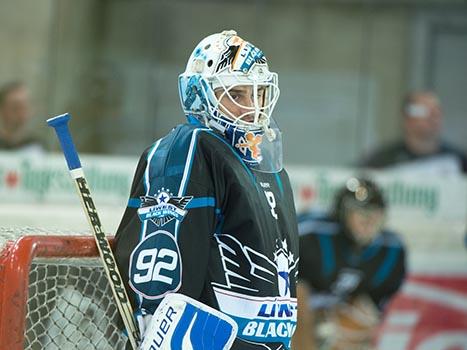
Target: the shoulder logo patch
(163, 207)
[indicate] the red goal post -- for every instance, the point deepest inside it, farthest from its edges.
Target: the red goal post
(46, 280)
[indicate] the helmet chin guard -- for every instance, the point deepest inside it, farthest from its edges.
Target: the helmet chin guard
(220, 65)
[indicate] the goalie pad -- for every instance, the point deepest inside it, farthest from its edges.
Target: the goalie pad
(182, 323)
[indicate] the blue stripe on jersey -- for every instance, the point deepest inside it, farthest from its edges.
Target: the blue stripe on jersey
(170, 167)
(386, 267)
(187, 170)
(134, 203)
(327, 251)
(139, 298)
(199, 202)
(171, 155)
(188, 162)
(279, 183)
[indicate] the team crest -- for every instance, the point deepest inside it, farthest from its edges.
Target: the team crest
(249, 145)
(163, 207)
(284, 260)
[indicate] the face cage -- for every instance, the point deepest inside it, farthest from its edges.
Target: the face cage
(262, 115)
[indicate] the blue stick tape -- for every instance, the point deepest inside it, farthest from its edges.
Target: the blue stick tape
(60, 124)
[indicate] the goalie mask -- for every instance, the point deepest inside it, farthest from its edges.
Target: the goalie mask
(360, 208)
(228, 87)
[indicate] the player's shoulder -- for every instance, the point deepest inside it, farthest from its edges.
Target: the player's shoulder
(170, 154)
(173, 150)
(316, 223)
(200, 136)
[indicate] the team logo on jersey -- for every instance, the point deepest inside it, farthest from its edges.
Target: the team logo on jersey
(347, 281)
(284, 261)
(247, 275)
(245, 269)
(249, 145)
(163, 207)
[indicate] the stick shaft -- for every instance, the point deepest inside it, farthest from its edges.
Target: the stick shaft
(115, 280)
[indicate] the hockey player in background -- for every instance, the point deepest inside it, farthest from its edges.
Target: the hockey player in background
(211, 213)
(350, 266)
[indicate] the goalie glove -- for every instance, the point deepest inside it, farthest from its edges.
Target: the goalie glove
(182, 323)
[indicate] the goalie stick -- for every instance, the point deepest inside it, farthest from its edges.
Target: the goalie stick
(60, 124)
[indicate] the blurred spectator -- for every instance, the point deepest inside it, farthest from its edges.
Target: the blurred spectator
(15, 116)
(350, 266)
(422, 147)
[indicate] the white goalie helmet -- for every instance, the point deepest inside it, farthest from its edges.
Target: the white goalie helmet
(221, 65)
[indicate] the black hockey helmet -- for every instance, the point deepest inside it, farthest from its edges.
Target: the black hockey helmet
(357, 192)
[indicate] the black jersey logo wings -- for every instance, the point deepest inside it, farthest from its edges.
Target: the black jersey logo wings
(246, 270)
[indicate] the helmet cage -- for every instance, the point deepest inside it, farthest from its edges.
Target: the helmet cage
(220, 64)
(261, 109)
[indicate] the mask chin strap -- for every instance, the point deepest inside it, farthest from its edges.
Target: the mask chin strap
(270, 133)
(217, 126)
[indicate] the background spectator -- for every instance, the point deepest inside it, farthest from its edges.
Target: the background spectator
(15, 116)
(422, 146)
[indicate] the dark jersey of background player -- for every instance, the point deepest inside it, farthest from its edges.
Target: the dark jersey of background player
(328, 255)
(230, 240)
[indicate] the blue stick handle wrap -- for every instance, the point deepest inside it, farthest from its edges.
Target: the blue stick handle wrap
(60, 124)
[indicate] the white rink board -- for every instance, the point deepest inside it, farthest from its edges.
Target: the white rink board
(37, 193)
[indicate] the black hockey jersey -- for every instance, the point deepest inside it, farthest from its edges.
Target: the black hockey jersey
(335, 268)
(201, 223)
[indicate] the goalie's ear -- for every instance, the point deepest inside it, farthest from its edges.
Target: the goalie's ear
(181, 322)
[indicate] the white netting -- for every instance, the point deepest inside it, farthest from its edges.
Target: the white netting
(70, 303)
(12, 234)
(70, 306)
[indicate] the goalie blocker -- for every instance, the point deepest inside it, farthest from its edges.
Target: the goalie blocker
(181, 322)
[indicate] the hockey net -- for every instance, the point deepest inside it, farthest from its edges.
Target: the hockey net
(54, 293)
